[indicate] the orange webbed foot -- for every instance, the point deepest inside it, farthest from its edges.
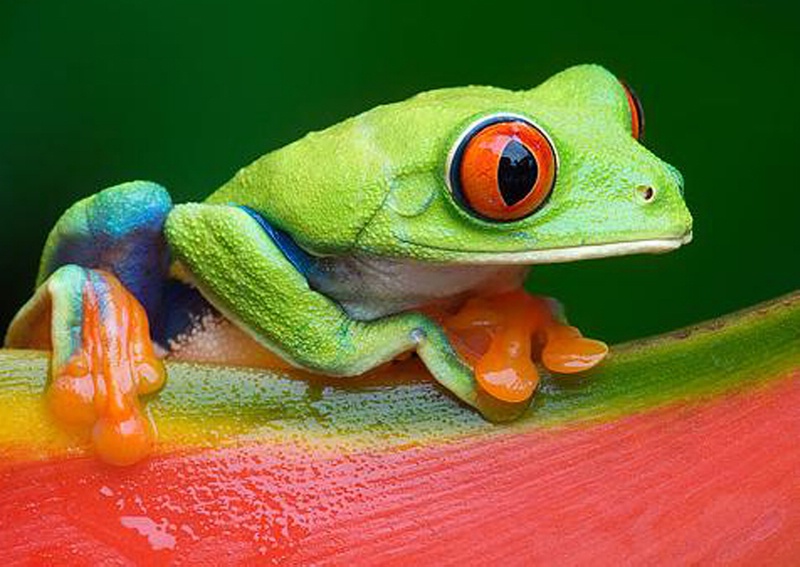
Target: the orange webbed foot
(113, 366)
(103, 359)
(495, 334)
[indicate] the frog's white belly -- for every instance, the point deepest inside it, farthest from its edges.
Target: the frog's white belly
(369, 287)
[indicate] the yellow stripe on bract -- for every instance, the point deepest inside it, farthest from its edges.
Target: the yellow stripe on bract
(26, 430)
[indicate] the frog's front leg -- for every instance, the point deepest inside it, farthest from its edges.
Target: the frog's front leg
(104, 262)
(245, 275)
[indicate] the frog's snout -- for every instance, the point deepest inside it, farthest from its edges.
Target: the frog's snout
(661, 200)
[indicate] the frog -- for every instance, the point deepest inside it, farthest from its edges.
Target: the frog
(328, 250)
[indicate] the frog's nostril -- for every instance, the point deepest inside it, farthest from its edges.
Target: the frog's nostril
(646, 193)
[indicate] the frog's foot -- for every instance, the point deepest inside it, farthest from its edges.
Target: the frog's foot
(103, 358)
(496, 335)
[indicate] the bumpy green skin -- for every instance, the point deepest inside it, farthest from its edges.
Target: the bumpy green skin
(374, 186)
(376, 182)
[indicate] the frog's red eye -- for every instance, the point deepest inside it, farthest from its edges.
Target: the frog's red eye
(503, 169)
(637, 112)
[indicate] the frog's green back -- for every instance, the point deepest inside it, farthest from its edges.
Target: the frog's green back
(376, 182)
(325, 187)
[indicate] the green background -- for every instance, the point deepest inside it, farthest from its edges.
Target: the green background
(94, 93)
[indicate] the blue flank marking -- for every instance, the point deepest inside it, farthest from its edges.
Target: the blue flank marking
(302, 261)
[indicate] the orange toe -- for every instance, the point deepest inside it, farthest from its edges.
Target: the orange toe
(571, 355)
(512, 383)
(123, 441)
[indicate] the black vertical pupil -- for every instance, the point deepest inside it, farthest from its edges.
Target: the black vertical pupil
(516, 172)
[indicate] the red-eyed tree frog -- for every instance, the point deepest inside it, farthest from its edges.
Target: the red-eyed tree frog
(341, 251)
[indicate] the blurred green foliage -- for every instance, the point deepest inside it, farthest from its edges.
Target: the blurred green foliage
(93, 93)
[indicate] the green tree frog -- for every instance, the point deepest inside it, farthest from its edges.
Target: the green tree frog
(329, 250)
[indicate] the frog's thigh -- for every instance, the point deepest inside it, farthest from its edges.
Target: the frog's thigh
(120, 230)
(244, 274)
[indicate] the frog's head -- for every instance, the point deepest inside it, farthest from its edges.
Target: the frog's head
(484, 175)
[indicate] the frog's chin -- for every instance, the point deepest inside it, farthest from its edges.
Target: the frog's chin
(574, 253)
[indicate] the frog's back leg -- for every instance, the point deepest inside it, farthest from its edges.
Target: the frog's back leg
(102, 272)
(119, 230)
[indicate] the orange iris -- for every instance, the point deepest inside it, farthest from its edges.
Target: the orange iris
(504, 170)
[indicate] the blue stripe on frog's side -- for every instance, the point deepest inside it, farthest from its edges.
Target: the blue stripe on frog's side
(302, 261)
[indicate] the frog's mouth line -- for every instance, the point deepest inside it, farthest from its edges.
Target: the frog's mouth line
(567, 254)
